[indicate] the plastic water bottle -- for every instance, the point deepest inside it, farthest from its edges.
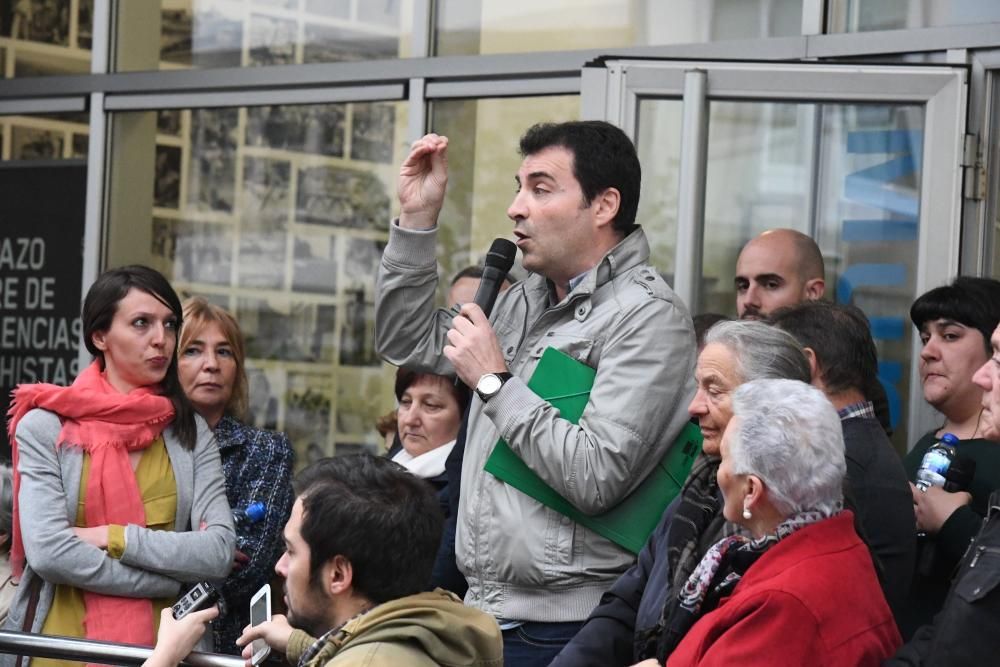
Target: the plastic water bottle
(250, 514)
(936, 462)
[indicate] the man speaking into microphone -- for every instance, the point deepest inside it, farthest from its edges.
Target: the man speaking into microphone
(592, 295)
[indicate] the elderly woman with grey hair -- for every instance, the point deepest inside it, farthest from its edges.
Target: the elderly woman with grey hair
(627, 624)
(796, 585)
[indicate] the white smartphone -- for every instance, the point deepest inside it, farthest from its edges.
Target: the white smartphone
(260, 611)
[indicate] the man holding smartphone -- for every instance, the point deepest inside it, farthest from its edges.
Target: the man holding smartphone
(359, 549)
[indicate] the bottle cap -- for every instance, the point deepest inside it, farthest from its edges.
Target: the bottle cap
(255, 511)
(949, 439)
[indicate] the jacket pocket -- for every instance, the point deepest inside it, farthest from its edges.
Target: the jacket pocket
(577, 347)
(982, 577)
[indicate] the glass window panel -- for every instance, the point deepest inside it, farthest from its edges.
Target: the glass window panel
(483, 158)
(279, 214)
(659, 145)
(467, 27)
(44, 137)
(757, 179)
(43, 189)
(862, 165)
(45, 37)
(204, 34)
(865, 15)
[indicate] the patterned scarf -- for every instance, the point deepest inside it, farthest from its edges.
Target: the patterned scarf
(698, 518)
(331, 642)
(718, 573)
(107, 425)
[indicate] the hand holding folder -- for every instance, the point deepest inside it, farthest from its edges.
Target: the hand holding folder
(566, 383)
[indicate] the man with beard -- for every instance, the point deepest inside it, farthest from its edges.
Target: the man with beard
(781, 267)
(359, 548)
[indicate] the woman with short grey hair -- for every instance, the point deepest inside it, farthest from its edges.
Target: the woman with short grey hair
(799, 584)
(760, 350)
(801, 460)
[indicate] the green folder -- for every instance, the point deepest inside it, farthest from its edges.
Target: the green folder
(566, 383)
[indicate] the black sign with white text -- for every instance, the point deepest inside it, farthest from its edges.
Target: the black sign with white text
(41, 263)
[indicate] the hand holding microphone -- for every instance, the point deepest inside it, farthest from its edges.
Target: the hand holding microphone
(473, 348)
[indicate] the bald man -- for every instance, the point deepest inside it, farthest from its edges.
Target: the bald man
(781, 267)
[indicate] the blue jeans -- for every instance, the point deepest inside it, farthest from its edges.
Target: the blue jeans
(536, 644)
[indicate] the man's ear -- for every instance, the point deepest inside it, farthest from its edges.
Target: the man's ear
(815, 289)
(606, 205)
(338, 574)
(814, 371)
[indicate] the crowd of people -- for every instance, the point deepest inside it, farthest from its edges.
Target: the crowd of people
(796, 537)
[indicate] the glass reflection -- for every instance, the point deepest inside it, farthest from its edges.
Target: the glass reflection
(44, 137)
(517, 26)
(206, 34)
(848, 175)
(280, 213)
(44, 37)
(865, 15)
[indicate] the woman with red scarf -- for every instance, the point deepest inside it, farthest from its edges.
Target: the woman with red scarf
(120, 502)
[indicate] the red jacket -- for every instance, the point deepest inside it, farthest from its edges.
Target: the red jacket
(812, 599)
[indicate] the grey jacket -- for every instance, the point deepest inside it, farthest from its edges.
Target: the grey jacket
(155, 564)
(522, 560)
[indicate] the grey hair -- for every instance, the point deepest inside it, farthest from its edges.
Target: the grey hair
(762, 351)
(789, 435)
(6, 505)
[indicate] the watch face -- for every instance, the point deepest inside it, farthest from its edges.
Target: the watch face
(488, 384)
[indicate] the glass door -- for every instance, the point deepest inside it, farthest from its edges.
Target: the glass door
(865, 159)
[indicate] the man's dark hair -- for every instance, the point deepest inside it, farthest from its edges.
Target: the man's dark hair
(974, 302)
(702, 323)
(840, 337)
(468, 272)
(603, 157)
(370, 510)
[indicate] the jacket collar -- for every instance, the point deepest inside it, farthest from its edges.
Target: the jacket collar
(230, 432)
(826, 536)
(629, 253)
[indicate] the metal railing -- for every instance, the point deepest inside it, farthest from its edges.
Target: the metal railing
(88, 650)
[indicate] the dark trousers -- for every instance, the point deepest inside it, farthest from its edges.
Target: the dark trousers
(536, 644)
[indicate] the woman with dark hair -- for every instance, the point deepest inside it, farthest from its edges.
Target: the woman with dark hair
(128, 477)
(427, 423)
(955, 323)
(257, 464)
(427, 420)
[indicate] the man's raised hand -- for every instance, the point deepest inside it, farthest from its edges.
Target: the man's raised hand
(422, 181)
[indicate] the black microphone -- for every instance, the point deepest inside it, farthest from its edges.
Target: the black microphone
(960, 474)
(498, 262)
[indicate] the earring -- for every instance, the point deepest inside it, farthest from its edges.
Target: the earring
(746, 513)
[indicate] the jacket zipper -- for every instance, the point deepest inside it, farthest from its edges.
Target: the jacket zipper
(980, 550)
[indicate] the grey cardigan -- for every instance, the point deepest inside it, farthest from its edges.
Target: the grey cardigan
(155, 564)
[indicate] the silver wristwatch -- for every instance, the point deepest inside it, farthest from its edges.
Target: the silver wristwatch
(490, 383)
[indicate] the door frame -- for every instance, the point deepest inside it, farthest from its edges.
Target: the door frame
(612, 88)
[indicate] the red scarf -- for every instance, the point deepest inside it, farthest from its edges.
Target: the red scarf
(108, 425)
